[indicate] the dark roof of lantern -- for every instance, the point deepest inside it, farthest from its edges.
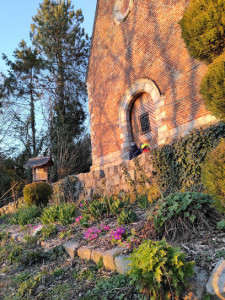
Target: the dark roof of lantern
(39, 162)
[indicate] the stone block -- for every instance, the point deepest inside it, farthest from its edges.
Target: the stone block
(97, 254)
(216, 285)
(71, 248)
(84, 252)
(197, 284)
(117, 180)
(98, 174)
(15, 236)
(108, 258)
(121, 264)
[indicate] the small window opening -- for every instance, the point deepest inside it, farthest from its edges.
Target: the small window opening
(145, 124)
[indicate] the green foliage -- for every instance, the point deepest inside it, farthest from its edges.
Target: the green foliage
(178, 165)
(97, 208)
(159, 269)
(221, 225)
(143, 201)
(57, 33)
(203, 29)
(115, 287)
(37, 193)
(182, 213)
(26, 215)
(27, 287)
(213, 87)
(115, 204)
(64, 189)
(48, 231)
(127, 215)
(213, 175)
(63, 213)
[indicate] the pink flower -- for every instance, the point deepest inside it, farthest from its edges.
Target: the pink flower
(120, 230)
(81, 205)
(106, 227)
(117, 236)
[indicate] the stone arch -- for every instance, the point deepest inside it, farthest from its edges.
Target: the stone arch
(118, 16)
(140, 86)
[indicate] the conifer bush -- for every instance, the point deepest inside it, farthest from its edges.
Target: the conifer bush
(37, 193)
(213, 175)
(203, 29)
(213, 88)
(159, 269)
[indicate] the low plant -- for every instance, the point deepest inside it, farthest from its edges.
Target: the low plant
(26, 215)
(213, 175)
(63, 213)
(115, 287)
(48, 231)
(181, 214)
(37, 193)
(126, 216)
(28, 286)
(159, 270)
(221, 225)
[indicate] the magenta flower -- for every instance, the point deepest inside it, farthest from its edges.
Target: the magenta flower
(120, 230)
(106, 227)
(117, 236)
(81, 205)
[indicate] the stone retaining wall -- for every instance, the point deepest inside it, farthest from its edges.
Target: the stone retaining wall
(113, 179)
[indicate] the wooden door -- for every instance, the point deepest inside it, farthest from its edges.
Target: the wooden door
(143, 123)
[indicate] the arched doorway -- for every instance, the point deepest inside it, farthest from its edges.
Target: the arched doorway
(143, 123)
(150, 91)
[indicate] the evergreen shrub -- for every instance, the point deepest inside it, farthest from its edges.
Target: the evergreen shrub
(37, 193)
(159, 269)
(203, 29)
(178, 165)
(213, 175)
(213, 88)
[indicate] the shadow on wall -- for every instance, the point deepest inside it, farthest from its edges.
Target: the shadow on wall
(177, 80)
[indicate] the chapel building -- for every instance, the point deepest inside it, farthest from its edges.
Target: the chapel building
(143, 86)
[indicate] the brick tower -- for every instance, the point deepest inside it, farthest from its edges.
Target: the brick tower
(143, 86)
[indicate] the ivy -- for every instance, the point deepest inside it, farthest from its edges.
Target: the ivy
(178, 165)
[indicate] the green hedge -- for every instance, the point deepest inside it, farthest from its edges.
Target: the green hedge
(178, 165)
(213, 87)
(202, 27)
(213, 175)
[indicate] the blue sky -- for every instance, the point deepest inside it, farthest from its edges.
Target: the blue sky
(16, 17)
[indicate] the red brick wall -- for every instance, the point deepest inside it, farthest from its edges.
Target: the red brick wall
(148, 44)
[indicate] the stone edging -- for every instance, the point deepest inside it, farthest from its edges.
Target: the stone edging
(112, 259)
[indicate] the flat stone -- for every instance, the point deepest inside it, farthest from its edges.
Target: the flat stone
(15, 236)
(71, 248)
(216, 285)
(84, 252)
(21, 239)
(108, 258)
(121, 264)
(97, 254)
